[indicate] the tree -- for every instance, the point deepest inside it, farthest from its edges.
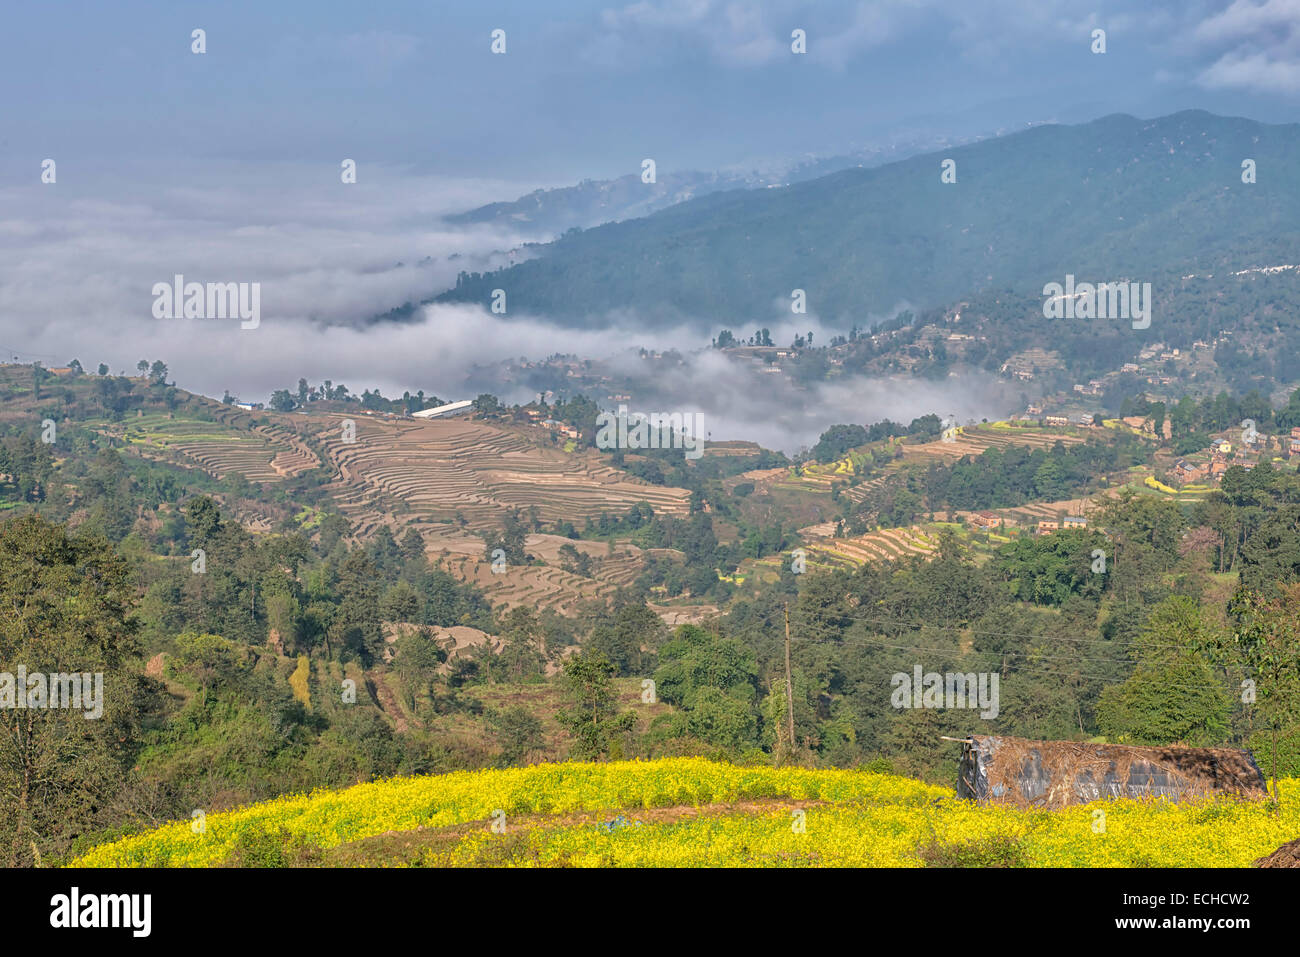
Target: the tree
(417, 660)
(837, 440)
(103, 369)
(487, 404)
(1173, 696)
(203, 519)
(594, 719)
(66, 607)
(282, 615)
(626, 640)
(714, 681)
(356, 626)
(522, 653)
(575, 562)
(1265, 644)
(158, 371)
(517, 732)
(282, 401)
(142, 366)
(412, 546)
(400, 603)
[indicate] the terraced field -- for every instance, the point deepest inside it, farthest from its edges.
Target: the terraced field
(1032, 514)
(971, 440)
(231, 444)
(444, 469)
(974, 440)
(537, 586)
(683, 812)
(886, 544)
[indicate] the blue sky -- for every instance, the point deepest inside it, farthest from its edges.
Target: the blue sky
(589, 88)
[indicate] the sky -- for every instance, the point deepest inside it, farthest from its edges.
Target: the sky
(224, 165)
(590, 88)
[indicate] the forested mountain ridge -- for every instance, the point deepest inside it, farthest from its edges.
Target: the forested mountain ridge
(1117, 198)
(593, 202)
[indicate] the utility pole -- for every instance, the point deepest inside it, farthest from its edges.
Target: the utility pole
(789, 685)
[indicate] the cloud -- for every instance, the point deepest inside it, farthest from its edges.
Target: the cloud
(740, 402)
(82, 257)
(78, 262)
(735, 33)
(1257, 47)
(748, 34)
(1262, 72)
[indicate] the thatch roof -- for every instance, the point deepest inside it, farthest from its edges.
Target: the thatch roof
(1288, 855)
(1056, 774)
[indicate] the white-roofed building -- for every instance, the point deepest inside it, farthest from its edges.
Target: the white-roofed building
(451, 408)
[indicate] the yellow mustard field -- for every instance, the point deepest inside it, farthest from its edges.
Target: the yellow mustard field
(791, 817)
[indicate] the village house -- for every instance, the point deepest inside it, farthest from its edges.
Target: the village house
(1074, 521)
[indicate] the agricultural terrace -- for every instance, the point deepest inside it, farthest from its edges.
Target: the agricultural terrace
(539, 586)
(694, 812)
(881, 457)
(882, 545)
(265, 452)
(977, 439)
(448, 469)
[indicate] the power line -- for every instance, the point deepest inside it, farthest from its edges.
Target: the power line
(1118, 642)
(1024, 667)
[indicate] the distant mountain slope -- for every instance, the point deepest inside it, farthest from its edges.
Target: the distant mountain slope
(549, 212)
(1118, 198)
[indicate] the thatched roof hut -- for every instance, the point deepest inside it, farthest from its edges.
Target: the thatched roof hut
(1056, 774)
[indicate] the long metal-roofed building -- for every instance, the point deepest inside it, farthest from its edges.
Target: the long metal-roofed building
(440, 411)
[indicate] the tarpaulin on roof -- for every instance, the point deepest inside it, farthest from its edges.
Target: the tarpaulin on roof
(1055, 774)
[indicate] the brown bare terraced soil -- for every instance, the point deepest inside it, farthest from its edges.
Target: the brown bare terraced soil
(882, 545)
(266, 452)
(886, 544)
(1035, 512)
(975, 440)
(441, 470)
(538, 586)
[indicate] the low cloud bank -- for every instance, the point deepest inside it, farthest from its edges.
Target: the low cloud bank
(78, 261)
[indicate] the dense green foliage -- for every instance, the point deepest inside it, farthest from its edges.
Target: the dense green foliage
(1118, 197)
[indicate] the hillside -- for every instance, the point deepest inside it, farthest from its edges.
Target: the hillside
(342, 617)
(593, 202)
(1113, 199)
(439, 470)
(693, 812)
